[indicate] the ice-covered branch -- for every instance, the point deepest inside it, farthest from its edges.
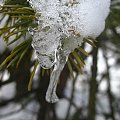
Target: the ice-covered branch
(62, 25)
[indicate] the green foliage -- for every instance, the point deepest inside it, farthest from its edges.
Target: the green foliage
(15, 2)
(19, 18)
(32, 75)
(17, 54)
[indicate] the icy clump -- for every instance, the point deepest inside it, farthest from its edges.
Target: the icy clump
(62, 25)
(45, 44)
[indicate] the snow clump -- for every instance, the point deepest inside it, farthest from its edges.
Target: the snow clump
(62, 25)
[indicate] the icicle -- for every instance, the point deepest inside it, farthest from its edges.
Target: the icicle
(61, 56)
(60, 63)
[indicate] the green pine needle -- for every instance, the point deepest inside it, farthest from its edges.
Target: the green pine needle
(32, 75)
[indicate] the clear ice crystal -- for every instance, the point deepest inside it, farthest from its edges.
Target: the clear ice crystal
(62, 25)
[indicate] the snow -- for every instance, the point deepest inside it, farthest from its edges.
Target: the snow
(86, 17)
(72, 19)
(62, 25)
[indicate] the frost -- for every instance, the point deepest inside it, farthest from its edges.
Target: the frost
(62, 25)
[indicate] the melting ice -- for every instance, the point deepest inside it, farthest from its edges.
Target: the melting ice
(62, 25)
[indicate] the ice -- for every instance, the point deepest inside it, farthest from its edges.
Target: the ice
(61, 57)
(62, 25)
(51, 92)
(45, 44)
(86, 17)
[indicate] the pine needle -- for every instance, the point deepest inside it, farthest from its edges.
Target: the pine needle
(32, 75)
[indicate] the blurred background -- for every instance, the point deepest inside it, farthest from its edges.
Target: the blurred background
(93, 95)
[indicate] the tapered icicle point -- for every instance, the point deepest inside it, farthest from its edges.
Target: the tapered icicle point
(51, 92)
(51, 96)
